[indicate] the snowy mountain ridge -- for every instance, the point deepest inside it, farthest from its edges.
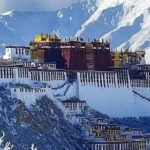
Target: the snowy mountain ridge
(124, 23)
(127, 13)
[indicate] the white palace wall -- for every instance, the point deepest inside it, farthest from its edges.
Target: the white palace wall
(111, 95)
(142, 86)
(108, 92)
(14, 52)
(29, 76)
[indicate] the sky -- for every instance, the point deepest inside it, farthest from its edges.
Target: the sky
(33, 5)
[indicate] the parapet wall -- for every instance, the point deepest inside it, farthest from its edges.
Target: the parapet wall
(22, 75)
(107, 79)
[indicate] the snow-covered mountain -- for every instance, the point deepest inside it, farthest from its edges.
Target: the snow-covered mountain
(21, 27)
(124, 23)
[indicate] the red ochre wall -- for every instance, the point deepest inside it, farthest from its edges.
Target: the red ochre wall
(75, 57)
(102, 59)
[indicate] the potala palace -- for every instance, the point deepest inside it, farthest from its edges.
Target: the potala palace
(109, 81)
(81, 77)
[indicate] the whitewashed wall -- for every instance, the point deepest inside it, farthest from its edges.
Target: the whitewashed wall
(30, 95)
(18, 52)
(115, 101)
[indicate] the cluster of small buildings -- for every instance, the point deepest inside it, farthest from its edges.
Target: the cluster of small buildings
(111, 137)
(99, 134)
(127, 58)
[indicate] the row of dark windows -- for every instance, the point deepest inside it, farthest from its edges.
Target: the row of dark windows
(6, 73)
(22, 51)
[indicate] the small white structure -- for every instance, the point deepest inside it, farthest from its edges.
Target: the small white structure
(30, 95)
(17, 52)
(50, 66)
(74, 105)
(147, 57)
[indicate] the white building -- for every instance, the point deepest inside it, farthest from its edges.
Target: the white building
(17, 52)
(74, 105)
(147, 57)
(30, 95)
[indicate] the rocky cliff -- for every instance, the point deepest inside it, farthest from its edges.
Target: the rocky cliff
(42, 124)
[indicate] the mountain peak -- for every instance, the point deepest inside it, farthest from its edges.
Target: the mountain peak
(8, 13)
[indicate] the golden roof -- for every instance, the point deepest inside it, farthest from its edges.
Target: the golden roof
(46, 38)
